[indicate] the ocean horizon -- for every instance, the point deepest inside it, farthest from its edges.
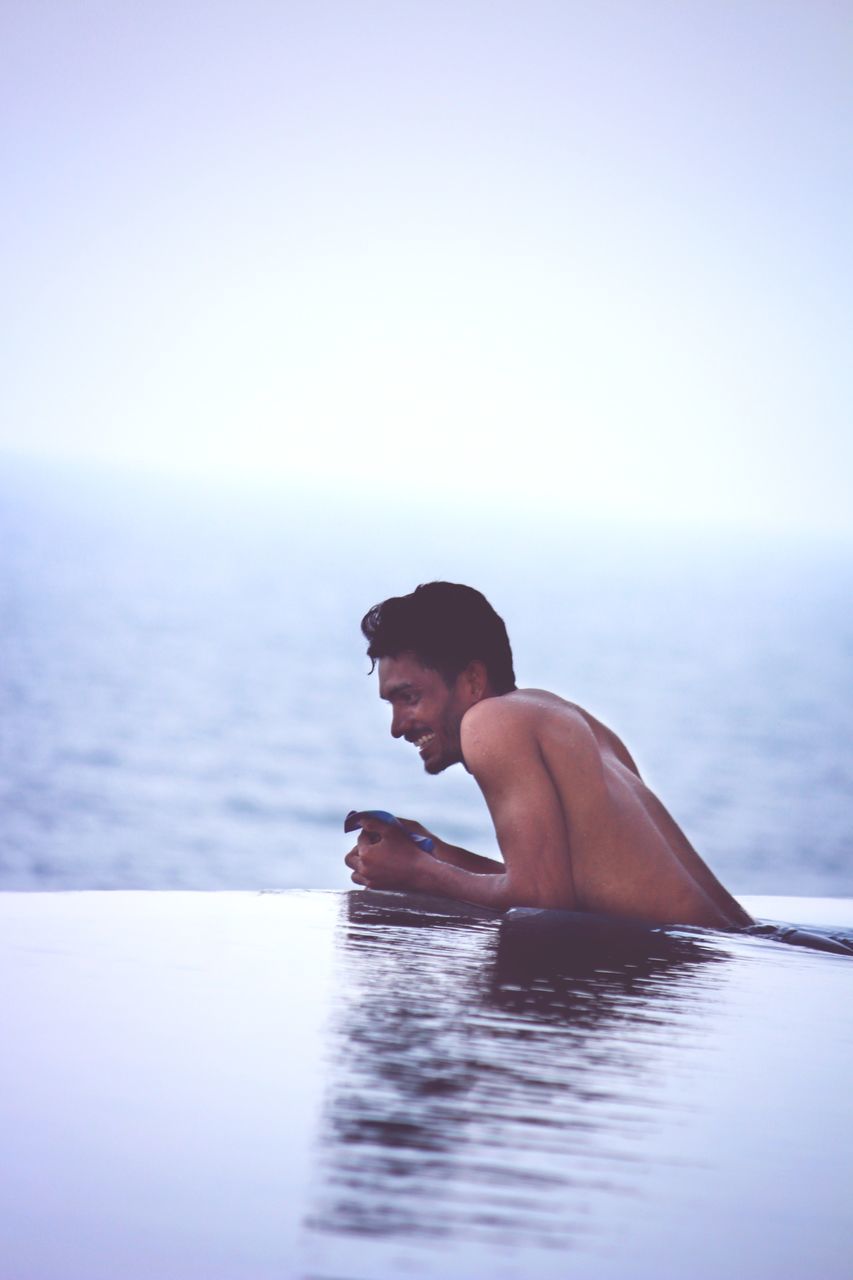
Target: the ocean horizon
(185, 700)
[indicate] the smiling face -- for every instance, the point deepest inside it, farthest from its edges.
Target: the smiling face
(425, 710)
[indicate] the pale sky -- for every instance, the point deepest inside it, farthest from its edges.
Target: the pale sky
(538, 253)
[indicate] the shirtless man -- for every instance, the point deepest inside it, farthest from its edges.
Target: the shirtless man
(575, 823)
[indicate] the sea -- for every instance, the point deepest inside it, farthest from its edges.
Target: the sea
(185, 701)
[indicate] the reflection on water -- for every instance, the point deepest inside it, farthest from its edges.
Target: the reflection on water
(478, 1095)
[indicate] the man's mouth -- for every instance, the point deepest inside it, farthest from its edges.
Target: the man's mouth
(422, 741)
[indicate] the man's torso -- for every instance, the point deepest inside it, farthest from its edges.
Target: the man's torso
(626, 854)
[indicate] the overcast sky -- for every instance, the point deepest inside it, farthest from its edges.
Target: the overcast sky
(593, 253)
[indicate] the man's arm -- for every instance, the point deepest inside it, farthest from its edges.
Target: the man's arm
(387, 859)
(453, 854)
(502, 753)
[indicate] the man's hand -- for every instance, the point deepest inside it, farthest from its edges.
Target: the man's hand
(385, 857)
(417, 829)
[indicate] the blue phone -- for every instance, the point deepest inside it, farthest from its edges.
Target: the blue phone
(353, 821)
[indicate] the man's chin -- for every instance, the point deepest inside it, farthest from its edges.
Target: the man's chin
(438, 766)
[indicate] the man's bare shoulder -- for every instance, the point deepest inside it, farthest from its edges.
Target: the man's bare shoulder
(507, 720)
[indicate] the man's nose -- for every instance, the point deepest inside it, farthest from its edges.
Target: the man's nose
(397, 729)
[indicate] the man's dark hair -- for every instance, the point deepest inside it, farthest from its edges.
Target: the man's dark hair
(446, 626)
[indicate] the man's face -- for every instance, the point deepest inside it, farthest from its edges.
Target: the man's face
(424, 710)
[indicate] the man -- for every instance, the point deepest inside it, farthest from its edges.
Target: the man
(576, 825)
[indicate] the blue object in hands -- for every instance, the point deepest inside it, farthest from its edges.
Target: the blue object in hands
(354, 817)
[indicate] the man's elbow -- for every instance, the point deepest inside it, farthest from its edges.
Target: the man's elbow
(519, 892)
(499, 892)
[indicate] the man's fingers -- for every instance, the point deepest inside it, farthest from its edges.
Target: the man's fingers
(366, 818)
(353, 861)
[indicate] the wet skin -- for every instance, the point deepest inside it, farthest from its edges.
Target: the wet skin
(575, 823)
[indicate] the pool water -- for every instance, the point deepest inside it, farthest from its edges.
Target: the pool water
(360, 1085)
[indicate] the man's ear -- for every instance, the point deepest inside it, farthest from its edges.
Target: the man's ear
(477, 678)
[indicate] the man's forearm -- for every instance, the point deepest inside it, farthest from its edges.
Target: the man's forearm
(475, 862)
(486, 889)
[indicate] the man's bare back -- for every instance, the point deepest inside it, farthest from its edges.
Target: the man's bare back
(624, 853)
(576, 825)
